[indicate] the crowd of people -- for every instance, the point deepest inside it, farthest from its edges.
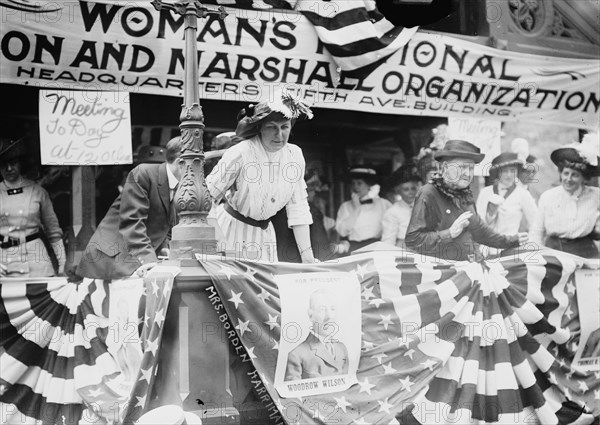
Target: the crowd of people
(266, 205)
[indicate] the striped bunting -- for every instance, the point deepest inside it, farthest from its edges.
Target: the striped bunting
(55, 361)
(356, 34)
(441, 343)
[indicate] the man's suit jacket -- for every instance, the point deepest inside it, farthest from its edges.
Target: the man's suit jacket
(134, 229)
(312, 359)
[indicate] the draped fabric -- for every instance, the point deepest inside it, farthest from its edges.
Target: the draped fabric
(488, 342)
(56, 364)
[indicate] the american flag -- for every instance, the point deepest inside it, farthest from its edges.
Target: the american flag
(55, 364)
(358, 37)
(441, 343)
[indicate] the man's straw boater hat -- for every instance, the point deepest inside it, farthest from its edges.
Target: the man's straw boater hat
(459, 149)
(283, 106)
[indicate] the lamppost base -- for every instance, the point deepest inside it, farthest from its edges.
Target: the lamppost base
(190, 240)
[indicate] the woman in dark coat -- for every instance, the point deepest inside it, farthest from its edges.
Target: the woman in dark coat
(444, 223)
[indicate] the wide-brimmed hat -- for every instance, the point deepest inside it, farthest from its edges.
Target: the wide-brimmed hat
(363, 172)
(507, 159)
(402, 175)
(151, 155)
(286, 104)
(459, 149)
(12, 148)
(578, 153)
(225, 140)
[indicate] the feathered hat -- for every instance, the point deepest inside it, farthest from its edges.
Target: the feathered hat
(284, 103)
(582, 156)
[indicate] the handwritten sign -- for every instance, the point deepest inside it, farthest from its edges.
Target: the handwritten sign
(85, 128)
(485, 134)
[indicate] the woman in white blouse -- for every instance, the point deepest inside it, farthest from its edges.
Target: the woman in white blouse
(259, 176)
(568, 216)
(504, 204)
(359, 220)
(396, 219)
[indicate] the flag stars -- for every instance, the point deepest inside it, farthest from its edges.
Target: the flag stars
(159, 317)
(264, 295)
(250, 272)
(410, 353)
(552, 378)
(243, 327)
(583, 387)
(155, 287)
(365, 386)
(570, 288)
(368, 344)
(404, 342)
(227, 271)
(388, 369)
(96, 392)
(141, 401)
(250, 352)
(342, 403)
(275, 346)
(384, 406)
(406, 384)
(272, 322)
(236, 298)
(146, 375)
(367, 293)
(568, 312)
(377, 302)
(386, 320)
(429, 364)
(152, 346)
(360, 271)
(379, 357)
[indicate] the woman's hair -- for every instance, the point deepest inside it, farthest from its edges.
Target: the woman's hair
(577, 166)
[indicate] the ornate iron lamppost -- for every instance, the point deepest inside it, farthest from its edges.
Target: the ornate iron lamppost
(192, 200)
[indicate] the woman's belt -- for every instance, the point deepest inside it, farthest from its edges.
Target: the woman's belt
(15, 242)
(575, 240)
(263, 224)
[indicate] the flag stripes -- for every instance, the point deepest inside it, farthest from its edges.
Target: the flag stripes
(463, 342)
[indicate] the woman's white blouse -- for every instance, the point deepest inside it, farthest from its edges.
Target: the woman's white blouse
(258, 183)
(567, 216)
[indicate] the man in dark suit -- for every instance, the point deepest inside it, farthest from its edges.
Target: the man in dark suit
(138, 224)
(320, 354)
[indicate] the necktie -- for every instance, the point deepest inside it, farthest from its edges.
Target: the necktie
(366, 201)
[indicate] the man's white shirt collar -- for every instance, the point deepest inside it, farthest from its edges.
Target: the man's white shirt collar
(172, 179)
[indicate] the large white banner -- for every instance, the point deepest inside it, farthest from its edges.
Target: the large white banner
(132, 47)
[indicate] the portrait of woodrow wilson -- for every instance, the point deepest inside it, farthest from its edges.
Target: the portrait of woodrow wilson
(320, 354)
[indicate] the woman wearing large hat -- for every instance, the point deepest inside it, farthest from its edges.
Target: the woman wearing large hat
(504, 204)
(359, 220)
(569, 215)
(30, 235)
(261, 175)
(444, 223)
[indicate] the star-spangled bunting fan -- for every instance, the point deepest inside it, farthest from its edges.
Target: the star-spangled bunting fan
(491, 343)
(55, 365)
